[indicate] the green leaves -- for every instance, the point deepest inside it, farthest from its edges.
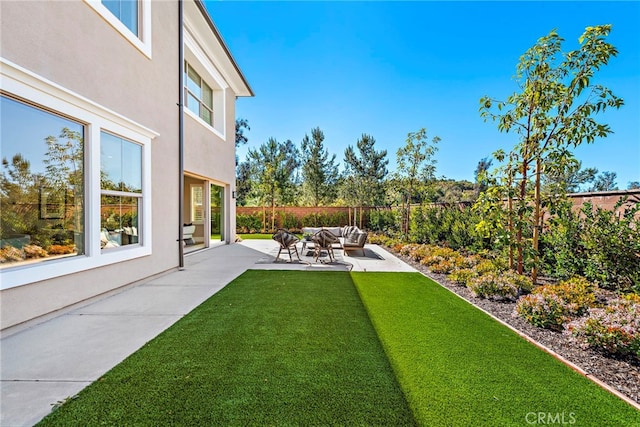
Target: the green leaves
(553, 111)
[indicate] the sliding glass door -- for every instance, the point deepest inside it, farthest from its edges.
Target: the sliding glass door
(217, 213)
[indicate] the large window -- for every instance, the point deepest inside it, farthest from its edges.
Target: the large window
(121, 191)
(66, 161)
(198, 95)
(41, 185)
(127, 11)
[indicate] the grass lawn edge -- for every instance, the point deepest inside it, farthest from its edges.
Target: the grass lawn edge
(526, 337)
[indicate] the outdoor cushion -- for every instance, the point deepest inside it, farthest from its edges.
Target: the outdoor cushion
(336, 231)
(356, 239)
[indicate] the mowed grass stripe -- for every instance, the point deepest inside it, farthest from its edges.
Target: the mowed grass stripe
(459, 367)
(271, 348)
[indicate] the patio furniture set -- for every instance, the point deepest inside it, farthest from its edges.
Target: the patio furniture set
(321, 240)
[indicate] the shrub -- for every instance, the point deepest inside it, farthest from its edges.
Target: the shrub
(383, 220)
(542, 310)
(615, 328)
(487, 266)
(434, 255)
(34, 251)
(503, 285)
(321, 219)
(419, 252)
(9, 254)
(445, 266)
(561, 246)
(443, 260)
(550, 306)
(61, 249)
(449, 226)
(612, 243)
(462, 276)
(248, 223)
(407, 249)
(289, 221)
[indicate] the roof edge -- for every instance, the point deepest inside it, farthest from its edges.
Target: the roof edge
(216, 33)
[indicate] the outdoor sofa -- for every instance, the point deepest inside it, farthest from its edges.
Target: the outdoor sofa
(350, 237)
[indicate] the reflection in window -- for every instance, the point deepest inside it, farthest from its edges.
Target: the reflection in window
(41, 185)
(121, 191)
(197, 204)
(126, 11)
(217, 212)
(198, 95)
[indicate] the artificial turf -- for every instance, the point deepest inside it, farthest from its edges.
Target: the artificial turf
(459, 367)
(256, 236)
(334, 348)
(272, 348)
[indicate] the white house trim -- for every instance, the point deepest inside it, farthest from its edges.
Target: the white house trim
(143, 44)
(24, 84)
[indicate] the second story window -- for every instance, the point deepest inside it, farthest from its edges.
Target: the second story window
(127, 11)
(198, 95)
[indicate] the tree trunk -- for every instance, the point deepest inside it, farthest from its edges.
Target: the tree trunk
(510, 218)
(537, 223)
(273, 215)
(523, 195)
(408, 223)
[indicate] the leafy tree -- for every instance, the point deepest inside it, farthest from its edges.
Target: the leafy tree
(606, 181)
(416, 169)
(241, 138)
(365, 173)
(64, 164)
(243, 183)
(451, 191)
(319, 171)
(273, 167)
(552, 112)
(569, 177)
(481, 174)
(634, 185)
(18, 190)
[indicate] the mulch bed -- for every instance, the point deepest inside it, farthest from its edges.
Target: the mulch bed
(620, 374)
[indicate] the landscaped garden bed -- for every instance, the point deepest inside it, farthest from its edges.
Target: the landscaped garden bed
(621, 372)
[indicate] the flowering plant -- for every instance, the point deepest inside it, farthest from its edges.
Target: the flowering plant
(615, 328)
(551, 305)
(500, 286)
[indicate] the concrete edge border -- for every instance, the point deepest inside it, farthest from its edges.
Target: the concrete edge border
(570, 364)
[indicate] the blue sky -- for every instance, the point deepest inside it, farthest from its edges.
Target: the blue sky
(390, 68)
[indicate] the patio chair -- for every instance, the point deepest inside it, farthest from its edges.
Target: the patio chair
(323, 240)
(355, 240)
(286, 240)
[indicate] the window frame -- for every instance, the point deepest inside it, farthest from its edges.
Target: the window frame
(201, 63)
(197, 213)
(200, 99)
(121, 193)
(142, 40)
(23, 84)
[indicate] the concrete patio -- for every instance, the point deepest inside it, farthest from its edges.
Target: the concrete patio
(50, 360)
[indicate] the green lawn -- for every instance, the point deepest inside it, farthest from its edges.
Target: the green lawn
(256, 236)
(334, 348)
(272, 348)
(459, 367)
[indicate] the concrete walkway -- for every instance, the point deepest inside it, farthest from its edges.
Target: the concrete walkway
(48, 362)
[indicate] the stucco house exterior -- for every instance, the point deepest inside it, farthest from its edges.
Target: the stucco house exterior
(117, 129)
